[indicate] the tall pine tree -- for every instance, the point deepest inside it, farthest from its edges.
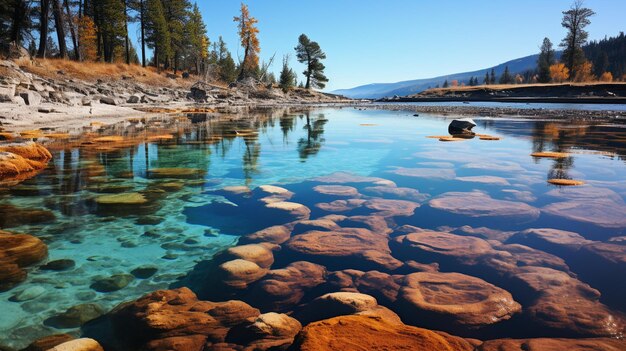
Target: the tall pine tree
(575, 20)
(546, 59)
(309, 53)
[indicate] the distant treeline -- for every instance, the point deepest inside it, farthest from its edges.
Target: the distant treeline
(608, 55)
(579, 60)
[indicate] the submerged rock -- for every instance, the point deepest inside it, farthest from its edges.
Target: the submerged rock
(336, 190)
(18, 251)
(112, 283)
(546, 344)
(357, 248)
(59, 265)
(284, 288)
(76, 316)
(479, 204)
(177, 320)
(446, 299)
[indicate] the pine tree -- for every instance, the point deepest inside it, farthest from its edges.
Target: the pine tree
(198, 42)
(575, 20)
(287, 76)
(492, 78)
(445, 84)
(176, 15)
(309, 53)
(506, 77)
(249, 41)
(157, 33)
(15, 21)
(487, 79)
(546, 59)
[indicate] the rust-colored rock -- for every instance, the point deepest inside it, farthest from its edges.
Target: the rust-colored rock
(545, 344)
(362, 332)
(480, 205)
(277, 234)
(391, 208)
(284, 288)
(445, 299)
(48, 342)
(357, 248)
(565, 305)
(16, 252)
(177, 320)
(20, 161)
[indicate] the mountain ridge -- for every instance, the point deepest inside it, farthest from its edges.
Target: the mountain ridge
(414, 86)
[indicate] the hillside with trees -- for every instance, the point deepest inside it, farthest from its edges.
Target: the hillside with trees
(172, 38)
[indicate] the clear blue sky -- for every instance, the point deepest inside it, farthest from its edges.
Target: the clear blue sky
(375, 41)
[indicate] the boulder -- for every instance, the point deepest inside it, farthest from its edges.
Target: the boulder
(177, 320)
(113, 283)
(461, 126)
(281, 289)
(48, 342)
(269, 331)
(363, 332)
(445, 300)
(76, 316)
(563, 305)
(16, 252)
(32, 98)
(336, 190)
(7, 92)
(357, 248)
(134, 99)
(109, 100)
(546, 344)
(478, 204)
(335, 304)
(83, 344)
(277, 234)
(238, 273)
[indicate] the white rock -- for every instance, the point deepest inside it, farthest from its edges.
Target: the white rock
(30, 293)
(32, 98)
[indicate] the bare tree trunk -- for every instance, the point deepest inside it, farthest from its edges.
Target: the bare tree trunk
(126, 29)
(72, 31)
(58, 23)
(44, 17)
(143, 32)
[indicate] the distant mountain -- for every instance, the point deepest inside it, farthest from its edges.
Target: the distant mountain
(409, 87)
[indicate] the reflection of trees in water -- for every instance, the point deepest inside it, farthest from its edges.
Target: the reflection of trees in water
(549, 136)
(312, 144)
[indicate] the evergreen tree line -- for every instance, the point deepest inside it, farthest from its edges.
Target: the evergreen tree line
(97, 30)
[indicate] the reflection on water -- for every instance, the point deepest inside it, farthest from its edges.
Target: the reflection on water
(133, 207)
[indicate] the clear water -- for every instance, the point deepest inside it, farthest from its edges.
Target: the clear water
(182, 225)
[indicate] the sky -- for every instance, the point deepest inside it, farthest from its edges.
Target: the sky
(376, 41)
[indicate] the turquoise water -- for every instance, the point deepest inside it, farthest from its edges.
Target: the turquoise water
(184, 219)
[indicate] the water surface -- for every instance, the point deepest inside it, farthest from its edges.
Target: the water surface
(179, 165)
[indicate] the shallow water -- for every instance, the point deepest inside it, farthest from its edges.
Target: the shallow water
(185, 219)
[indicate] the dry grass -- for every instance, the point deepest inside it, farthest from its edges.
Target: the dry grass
(92, 71)
(498, 87)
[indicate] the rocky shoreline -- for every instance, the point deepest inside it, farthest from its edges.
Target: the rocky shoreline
(28, 100)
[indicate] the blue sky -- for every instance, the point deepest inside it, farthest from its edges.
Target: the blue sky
(369, 41)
